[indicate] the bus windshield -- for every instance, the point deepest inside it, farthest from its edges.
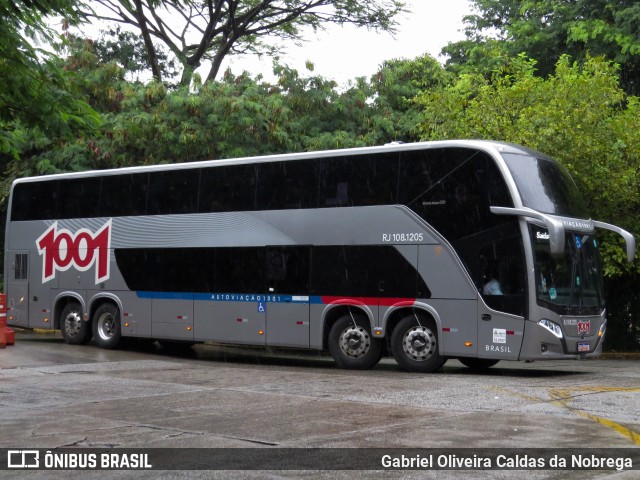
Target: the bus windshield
(570, 284)
(546, 186)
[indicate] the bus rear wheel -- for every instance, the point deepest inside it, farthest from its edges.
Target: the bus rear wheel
(351, 344)
(75, 330)
(414, 344)
(106, 326)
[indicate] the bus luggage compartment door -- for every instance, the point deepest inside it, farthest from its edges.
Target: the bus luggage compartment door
(172, 318)
(288, 321)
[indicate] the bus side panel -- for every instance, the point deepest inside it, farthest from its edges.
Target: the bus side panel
(40, 295)
(287, 324)
(499, 334)
(392, 289)
(316, 325)
(454, 298)
(172, 318)
(135, 317)
(229, 321)
(458, 319)
(17, 287)
(443, 275)
(18, 304)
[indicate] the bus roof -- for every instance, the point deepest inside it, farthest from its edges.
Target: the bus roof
(485, 145)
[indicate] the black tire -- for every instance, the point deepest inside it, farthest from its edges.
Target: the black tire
(106, 326)
(478, 364)
(351, 344)
(415, 345)
(75, 330)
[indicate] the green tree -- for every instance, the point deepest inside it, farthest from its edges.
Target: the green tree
(209, 30)
(546, 30)
(34, 93)
(395, 85)
(128, 50)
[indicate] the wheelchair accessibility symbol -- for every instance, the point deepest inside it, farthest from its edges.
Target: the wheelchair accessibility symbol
(262, 307)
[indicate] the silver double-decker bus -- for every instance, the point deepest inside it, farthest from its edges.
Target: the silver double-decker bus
(476, 250)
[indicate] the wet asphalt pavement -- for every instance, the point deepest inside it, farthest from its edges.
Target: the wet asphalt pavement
(54, 395)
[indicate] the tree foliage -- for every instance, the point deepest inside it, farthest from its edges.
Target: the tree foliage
(128, 50)
(36, 102)
(547, 30)
(236, 116)
(209, 30)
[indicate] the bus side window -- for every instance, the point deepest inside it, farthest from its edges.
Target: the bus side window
(286, 185)
(173, 192)
(228, 189)
(21, 266)
(124, 195)
(287, 269)
(79, 198)
(34, 201)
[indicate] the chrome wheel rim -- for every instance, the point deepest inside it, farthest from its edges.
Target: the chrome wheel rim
(72, 325)
(106, 326)
(355, 341)
(419, 343)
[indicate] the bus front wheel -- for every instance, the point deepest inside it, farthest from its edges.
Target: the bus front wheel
(75, 330)
(351, 344)
(106, 325)
(414, 344)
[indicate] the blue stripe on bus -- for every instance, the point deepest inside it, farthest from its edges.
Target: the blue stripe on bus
(230, 297)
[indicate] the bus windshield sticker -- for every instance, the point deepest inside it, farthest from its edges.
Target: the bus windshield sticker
(499, 335)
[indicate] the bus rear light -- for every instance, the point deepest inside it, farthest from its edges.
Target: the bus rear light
(126, 324)
(468, 344)
(45, 320)
(189, 328)
(551, 326)
(260, 332)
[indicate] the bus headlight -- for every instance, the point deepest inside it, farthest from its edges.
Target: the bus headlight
(551, 326)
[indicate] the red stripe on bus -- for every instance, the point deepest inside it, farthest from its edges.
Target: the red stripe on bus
(382, 301)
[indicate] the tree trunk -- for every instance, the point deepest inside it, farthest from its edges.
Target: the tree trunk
(151, 49)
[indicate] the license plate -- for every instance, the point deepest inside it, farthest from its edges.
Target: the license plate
(584, 347)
